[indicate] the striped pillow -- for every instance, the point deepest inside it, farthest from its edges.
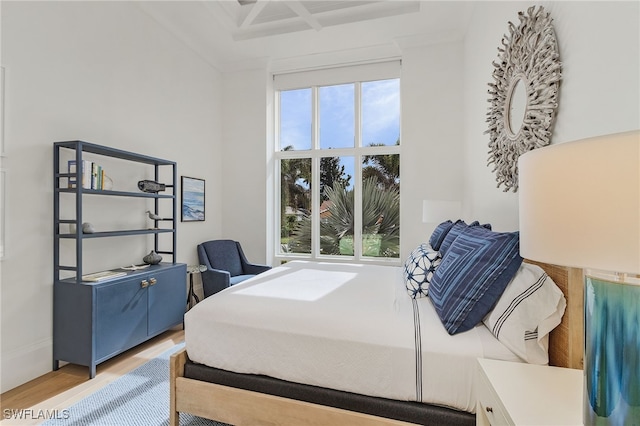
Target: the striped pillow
(453, 233)
(472, 276)
(530, 307)
(455, 230)
(439, 234)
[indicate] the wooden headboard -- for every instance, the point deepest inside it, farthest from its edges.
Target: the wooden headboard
(566, 342)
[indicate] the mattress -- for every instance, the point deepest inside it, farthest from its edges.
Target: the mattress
(348, 327)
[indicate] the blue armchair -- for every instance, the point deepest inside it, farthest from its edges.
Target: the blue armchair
(226, 265)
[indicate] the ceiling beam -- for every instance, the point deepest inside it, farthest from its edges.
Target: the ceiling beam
(302, 12)
(255, 10)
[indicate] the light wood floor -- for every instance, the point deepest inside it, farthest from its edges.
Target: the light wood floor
(60, 389)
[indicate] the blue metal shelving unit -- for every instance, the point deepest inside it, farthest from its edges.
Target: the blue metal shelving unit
(94, 321)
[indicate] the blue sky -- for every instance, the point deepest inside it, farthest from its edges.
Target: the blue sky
(380, 115)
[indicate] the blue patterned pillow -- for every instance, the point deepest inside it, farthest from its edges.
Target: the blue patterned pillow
(473, 275)
(453, 233)
(419, 268)
(439, 233)
(455, 230)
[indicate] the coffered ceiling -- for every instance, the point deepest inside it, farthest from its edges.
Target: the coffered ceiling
(247, 19)
(236, 34)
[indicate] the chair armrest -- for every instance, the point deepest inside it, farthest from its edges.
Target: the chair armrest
(202, 256)
(214, 280)
(253, 269)
(250, 268)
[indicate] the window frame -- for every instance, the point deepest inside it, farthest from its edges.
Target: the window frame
(370, 72)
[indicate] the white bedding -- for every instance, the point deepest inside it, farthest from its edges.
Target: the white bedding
(341, 326)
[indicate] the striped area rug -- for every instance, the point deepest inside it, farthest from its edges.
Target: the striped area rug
(139, 398)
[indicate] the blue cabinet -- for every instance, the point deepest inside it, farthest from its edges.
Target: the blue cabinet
(94, 321)
(165, 300)
(121, 316)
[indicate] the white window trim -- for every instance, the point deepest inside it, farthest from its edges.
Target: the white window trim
(314, 79)
(337, 75)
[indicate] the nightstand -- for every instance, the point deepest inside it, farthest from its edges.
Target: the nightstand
(513, 393)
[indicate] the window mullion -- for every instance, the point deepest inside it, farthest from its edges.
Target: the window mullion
(277, 181)
(315, 173)
(357, 184)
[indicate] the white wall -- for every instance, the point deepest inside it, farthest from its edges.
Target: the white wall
(244, 150)
(599, 45)
(431, 157)
(106, 73)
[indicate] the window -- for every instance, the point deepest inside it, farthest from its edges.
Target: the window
(338, 164)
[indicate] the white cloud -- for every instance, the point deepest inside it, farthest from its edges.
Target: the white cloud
(380, 110)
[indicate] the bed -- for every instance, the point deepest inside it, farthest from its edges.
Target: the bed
(241, 367)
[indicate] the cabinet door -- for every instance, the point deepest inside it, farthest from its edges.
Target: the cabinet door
(121, 316)
(167, 298)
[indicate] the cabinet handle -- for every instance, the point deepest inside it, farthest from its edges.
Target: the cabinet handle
(153, 281)
(144, 284)
(489, 409)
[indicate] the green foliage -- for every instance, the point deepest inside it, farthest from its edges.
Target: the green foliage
(331, 173)
(381, 221)
(294, 172)
(384, 168)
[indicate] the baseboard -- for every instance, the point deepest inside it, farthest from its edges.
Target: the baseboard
(24, 364)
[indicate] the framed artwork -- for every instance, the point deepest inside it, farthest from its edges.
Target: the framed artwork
(192, 190)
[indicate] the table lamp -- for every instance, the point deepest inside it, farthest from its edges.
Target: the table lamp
(580, 207)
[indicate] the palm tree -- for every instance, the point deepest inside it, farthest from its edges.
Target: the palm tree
(331, 172)
(294, 172)
(385, 168)
(295, 176)
(381, 219)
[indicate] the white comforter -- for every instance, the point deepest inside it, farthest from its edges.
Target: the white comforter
(341, 326)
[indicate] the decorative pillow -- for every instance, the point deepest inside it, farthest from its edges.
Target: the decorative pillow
(530, 307)
(419, 268)
(455, 230)
(484, 225)
(439, 234)
(472, 276)
(453, 233)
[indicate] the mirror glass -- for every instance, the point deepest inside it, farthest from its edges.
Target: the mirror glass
(516, 106)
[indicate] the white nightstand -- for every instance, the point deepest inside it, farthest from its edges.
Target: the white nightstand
(512, 393)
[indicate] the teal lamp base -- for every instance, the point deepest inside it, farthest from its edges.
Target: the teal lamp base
(612, 350)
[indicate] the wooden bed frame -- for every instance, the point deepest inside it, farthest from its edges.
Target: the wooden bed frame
(241, 407)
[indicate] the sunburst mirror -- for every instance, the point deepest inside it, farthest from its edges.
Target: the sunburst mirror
(523, 94)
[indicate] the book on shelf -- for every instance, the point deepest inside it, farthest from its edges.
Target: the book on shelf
(135, 267)
(92, 175)
(85, 173)
(87, 168)
(103, 275)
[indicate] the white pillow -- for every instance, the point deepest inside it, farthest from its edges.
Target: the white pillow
(419, 268)
(530, 307)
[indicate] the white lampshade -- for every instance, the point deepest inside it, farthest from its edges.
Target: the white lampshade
(580, 203)
(436, 211)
